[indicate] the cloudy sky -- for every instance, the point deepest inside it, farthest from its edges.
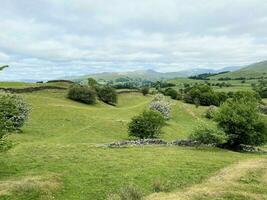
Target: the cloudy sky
(47, 39)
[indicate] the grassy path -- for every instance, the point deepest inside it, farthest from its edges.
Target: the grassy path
(245, 180)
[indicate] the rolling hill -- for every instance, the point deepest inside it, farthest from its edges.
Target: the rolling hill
(255, 70)
(149, 74)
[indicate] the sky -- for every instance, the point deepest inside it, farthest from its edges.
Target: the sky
(49, 39)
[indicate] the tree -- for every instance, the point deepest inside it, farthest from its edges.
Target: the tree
(92, 82)
(171, 92)
(240, 119)
(146, 125)
(13, 113)
(145, 90)
(82, 94)
(107, 94)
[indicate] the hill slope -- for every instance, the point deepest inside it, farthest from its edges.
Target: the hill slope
(256, 70)
(60, 153)
(150, 75)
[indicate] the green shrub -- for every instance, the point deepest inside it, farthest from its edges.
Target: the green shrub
(130, 192)
(171, 92)
(13, 113)
(92, 82)
(241, 120)
(146, 125)
(209, 135)
(107, 94)
(210, 113)
(203, 93)
(82, 94)
(145, 90)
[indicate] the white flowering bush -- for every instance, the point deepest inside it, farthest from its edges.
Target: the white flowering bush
(13, 113)
(161, 105)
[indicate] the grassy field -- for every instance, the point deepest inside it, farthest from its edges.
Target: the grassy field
(60, 152)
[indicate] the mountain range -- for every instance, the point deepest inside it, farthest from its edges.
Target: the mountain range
(150, 74)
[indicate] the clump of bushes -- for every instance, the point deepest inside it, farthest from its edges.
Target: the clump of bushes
(211, 111)
(240, 118)
(146, 125)
(209, 135)
(203, 94)
(161, 105)
(107, 94)
(171, 92)
(82, 94)
(145, 90)
(13, 114)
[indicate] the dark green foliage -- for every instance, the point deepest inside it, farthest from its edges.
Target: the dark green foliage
(92, 82)
(208, 135)
(82, 94)
(240, 119)
(145, 90)
(261, 88)
(107, 94)
(202, 93)
(172, 93)
(210, 113)
(13, 113)
(146, 125)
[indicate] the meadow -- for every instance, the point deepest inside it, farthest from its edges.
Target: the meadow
(61, 152)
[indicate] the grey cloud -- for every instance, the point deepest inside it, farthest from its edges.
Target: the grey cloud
(44, 39)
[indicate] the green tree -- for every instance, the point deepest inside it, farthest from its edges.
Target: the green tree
(92, 82)
(145, 90)
(107, 94)
(146, 125)
(13, 113)
(240, 119)
(82, 94)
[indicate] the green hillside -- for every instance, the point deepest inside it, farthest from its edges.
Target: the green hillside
(60, 152)
(256, 70)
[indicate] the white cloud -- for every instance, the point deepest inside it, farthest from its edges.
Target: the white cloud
(42, 39)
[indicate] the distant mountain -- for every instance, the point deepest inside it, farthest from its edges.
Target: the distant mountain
(255, 70)
(150, 75)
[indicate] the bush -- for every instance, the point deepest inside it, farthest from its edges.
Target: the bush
(145, 90)
(210, 113)
(160, 105)
(263, 109)
(107, 94)
(209, 135)
(171, 92)
(241, 120)
(92, 82)
(203, 93)
(146, 125)
(82, 94)
(13, 113)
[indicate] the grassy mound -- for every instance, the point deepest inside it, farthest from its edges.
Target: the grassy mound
(66, 137)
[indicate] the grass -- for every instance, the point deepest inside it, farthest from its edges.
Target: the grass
(245, 180)
(62, 145)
